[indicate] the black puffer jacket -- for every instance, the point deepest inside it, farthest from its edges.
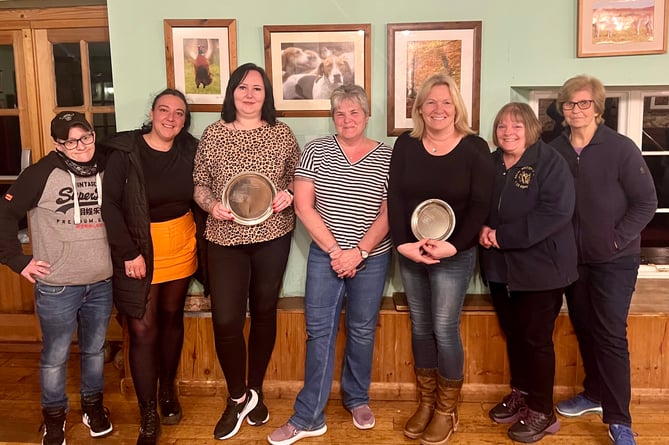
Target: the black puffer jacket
(125, 209)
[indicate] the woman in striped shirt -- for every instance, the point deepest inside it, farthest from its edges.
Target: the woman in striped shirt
(340, 197)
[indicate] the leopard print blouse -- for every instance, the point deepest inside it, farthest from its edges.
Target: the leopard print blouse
(224, 152)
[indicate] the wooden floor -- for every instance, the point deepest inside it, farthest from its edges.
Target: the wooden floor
(20, 416)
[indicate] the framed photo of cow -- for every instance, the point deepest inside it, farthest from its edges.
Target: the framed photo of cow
(307, 62)
(418, 50)
(622, 28)
(200, 54)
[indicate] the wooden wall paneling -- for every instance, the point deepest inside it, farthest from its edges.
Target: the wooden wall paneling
(486, 365)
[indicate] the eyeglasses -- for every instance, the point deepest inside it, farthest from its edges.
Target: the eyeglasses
(582, 104)
(86, 139)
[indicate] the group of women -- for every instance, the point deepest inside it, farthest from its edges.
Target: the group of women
(164, 214)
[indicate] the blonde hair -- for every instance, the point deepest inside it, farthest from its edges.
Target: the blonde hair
(580, 83)
(519, 112)
(461, 117)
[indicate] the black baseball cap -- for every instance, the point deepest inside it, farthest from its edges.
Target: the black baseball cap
(61, 124)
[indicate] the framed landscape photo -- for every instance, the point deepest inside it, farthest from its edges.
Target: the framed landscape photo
(418, 50)
(200, 54)
(307, 62)
(622, 27)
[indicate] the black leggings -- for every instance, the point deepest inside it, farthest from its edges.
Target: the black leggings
(252, 272)
(157, 338)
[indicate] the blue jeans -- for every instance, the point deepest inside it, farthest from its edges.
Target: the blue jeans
(61, 310)
(435, 294)
(323, 301)
(599, 302)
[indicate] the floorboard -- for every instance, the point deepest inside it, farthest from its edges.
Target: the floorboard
(20, 416)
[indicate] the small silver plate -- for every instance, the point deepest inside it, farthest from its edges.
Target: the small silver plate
(433, 219)
(249, 197)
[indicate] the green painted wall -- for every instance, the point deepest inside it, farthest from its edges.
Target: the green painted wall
(525, 43)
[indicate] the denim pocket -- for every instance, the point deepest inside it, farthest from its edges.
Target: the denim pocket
(48, 290)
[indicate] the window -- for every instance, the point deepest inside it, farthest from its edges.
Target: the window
(643, 115)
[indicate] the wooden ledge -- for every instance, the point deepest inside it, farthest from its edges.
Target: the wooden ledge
(200, 306)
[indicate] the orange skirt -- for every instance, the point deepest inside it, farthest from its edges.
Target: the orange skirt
(174, 249)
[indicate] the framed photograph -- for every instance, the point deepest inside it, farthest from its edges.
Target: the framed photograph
(200, 54)
(659, 103)
(418, 50)
(622, 27)
(307, 62)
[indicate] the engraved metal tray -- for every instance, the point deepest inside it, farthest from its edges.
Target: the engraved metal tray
(249, 197)
(433, 219)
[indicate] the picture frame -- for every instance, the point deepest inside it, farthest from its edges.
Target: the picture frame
(200, 54)
(625, 28)
(306, 62)
(659, 103)
(418, 50)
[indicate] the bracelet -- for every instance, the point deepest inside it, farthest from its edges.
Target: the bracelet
(290, 192)
(333, 248)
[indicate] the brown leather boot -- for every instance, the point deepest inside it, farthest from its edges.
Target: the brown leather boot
(445, 418)
(426, 384)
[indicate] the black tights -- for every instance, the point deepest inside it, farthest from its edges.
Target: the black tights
(157, 338)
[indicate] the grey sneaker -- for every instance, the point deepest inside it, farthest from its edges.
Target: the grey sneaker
(288, 434)
(363, 417)
(578, 406)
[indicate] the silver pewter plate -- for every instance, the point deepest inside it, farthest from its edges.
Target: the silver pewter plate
(433, 219)
(249, 197)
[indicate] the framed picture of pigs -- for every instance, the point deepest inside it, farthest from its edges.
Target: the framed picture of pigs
(307, 62)
(418, 50)
(622, 28)
(200, 54)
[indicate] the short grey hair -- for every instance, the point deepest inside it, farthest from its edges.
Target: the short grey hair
(352, 92)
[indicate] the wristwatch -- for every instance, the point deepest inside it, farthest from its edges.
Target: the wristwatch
(363, 253)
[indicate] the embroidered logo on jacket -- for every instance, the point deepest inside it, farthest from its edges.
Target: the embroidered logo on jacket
(523, 177)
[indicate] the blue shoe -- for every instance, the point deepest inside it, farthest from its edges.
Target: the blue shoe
(578, 405)
(621, 434)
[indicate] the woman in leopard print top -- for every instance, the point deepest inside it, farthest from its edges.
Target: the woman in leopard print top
(245, 261)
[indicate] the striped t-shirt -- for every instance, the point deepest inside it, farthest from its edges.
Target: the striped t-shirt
(348, 196)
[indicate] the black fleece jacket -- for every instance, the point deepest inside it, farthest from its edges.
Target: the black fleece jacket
(615, 195)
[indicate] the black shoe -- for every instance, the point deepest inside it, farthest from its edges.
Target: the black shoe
(233, 416)
(95, 416)
(258, 415)
(533, 426)
(170, 408)
(509, 409)
(54, 426)
(149, 430)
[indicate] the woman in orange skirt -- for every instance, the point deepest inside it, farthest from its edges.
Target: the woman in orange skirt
(147, 208)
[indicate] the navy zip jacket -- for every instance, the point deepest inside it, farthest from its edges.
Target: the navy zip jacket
(615, 195)
(531, 211)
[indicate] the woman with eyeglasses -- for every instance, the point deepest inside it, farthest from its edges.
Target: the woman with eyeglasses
(70, 266)
(149, 211)
(615, 199)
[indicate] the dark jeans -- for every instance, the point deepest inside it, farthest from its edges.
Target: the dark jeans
(237, 274)
(528, 319)
(599, 303)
